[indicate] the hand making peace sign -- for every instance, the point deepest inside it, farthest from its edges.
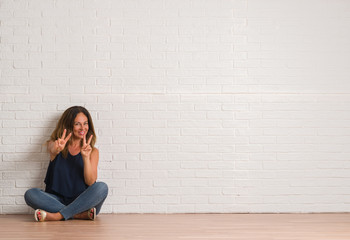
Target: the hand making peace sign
(86, 149)
(60, 143)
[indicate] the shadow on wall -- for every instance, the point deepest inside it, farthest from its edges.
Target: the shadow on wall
(24, 163)
(32, 160)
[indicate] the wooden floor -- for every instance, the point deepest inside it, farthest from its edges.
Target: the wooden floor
(182, 226)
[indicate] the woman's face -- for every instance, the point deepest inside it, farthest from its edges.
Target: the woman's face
(81, 126)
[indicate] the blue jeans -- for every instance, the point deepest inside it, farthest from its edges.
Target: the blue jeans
(92, 197)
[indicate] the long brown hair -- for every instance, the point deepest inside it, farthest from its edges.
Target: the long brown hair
(67, 122)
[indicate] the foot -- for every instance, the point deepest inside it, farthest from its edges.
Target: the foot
(41, 216)
(92, 214)
(89, 214)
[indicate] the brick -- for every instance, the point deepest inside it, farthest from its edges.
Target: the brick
(138, 98)
(138, 115)
(7, 184)
(7, 148)
(166, 183)
(13, 89)
(193, 115)
(153, 124)
(13, 209)
(9, 175)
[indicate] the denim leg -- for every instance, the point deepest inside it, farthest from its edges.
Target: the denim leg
(38, 199)
(93, 196)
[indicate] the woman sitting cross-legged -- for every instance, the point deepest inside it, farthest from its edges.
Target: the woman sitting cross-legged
(71, 189)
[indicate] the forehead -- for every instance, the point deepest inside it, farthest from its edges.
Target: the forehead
(80, 117)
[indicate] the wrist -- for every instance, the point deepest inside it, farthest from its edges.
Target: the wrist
(57, 151)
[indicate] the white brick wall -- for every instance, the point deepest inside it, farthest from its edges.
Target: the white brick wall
(199, 105)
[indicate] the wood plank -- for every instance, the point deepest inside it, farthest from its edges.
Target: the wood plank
(183, 226)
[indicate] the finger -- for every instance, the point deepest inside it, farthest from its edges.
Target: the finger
(57, 144)
(64, 133)
(87, 148)
(84, 139)
(88, 143)
(68, 137)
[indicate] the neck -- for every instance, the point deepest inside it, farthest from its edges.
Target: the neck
(76, 142)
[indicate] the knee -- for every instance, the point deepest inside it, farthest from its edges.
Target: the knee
(102, 188)
(30, 194)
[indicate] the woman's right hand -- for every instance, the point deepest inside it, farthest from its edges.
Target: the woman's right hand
(60, 143)
(57, 146)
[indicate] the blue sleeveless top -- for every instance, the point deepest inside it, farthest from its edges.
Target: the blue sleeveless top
(65, 177)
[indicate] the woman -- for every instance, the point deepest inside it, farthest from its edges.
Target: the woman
(71, 188)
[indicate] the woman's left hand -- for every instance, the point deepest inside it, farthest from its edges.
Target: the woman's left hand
(86, 148)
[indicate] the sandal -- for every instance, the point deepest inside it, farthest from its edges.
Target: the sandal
(92, 214)
(40, 213)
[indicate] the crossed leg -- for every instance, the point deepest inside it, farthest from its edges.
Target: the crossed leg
(81, 208)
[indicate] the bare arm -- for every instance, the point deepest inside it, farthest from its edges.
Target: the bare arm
(90, 167)
(90, 158)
